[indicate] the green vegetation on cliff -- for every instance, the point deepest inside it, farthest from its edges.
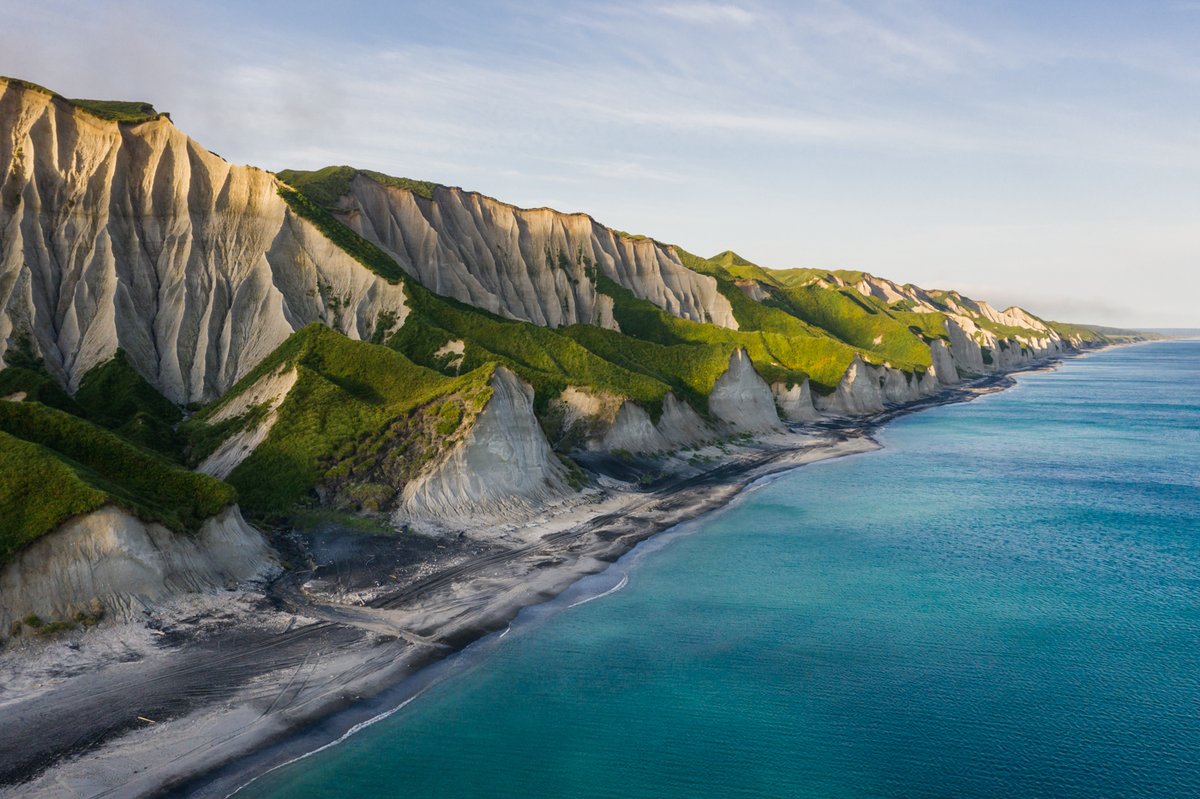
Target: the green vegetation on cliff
(115, 396)
(111, 110)
(54, 465)
(355, 407)
(118, 110)
(327, 186)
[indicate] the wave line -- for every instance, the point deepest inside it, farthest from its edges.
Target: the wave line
(613, 590)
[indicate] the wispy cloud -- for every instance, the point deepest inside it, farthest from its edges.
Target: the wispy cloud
(708, 13)
(877, 109)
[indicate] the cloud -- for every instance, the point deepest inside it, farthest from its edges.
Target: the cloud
(850, 112)
(708, 13)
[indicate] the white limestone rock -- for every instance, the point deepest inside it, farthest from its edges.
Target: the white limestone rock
(503, 467)
(113, 558)
(134, 236)
(858, 393)
(795, 402)
(742, 400)
(537, 265)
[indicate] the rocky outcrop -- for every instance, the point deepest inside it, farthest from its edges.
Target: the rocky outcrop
(978, 350)
(537, 265)
(972, 345)
(943, 363)
(109, 558)
(964, 348)
(585, 414)
(857, 393)
(503, 467)
(267, 393)
(742, 400)
(133, 236)
(795, 402)
(866, 389)
(680, 425)
(633, 430)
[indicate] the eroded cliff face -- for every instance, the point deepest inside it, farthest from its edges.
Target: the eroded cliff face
(134, 236)
(867, 389)
(267, 393)
(858, 392)
(634, 431)
(742, 400)
(944, 367)
(972, 348)
(111, 558)
(503, 467)
(795, 402)
(537, 265)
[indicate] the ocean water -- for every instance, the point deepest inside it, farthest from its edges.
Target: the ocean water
(1004, 602)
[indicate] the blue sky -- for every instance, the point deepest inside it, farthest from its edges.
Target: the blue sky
(1041, 153)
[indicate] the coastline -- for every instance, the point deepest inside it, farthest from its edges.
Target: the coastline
(381, 647)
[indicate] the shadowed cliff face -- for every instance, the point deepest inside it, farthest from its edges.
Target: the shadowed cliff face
(112, 560)
(133, 236)
(537, 265)
(502, 468)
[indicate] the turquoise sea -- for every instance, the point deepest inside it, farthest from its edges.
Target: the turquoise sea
(1003, 602)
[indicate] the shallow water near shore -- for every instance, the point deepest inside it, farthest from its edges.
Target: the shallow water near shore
(1004, 601)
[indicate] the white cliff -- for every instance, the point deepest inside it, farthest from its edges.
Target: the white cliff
(858, 393)
(503, 467)
(111, 558)
(134, 236)
(742, 400)
(267, 393)
(866, 389)
(795, 402)
(634, 431)
(537, 265)
(943, 367)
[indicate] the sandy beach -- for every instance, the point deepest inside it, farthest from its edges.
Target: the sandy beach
(201, 695)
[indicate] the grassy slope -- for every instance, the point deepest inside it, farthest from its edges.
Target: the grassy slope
(37, 386)
(27, 509)
(112, 110)
(72, 466)
(858, 320)
(795, 310)
(655, 354)
(693, 355)
(346, 392)
(326, 186)
(115, 396)
(547, 359)
(1097, 334)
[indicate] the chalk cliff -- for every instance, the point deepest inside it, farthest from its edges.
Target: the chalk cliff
(538, 265)
(133, 236)
(504, 465)
(112, 560)
(795, 402)
(742, 400)
(634, 431)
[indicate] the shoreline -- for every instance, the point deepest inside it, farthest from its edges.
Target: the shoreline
(384, 650)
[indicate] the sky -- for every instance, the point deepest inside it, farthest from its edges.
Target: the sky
(1045, 154)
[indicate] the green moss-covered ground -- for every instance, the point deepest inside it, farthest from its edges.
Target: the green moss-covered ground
(55, 465)
(347, 396)
(326, 186)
